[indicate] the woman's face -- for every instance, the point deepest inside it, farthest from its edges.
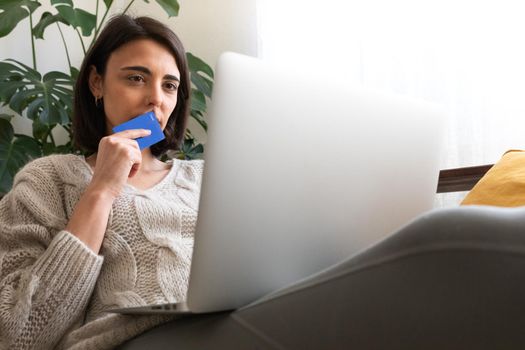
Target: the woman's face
(141, 76)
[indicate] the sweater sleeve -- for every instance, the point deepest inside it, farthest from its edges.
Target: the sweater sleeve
(47, 275)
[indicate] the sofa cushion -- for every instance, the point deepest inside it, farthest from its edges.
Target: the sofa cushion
(503, 185)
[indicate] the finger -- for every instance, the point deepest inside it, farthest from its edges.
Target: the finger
(136, 162)
(133, 143)
(129, 138)
(134, 169)
(133, 133)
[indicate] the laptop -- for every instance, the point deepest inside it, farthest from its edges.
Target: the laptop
(300, 173)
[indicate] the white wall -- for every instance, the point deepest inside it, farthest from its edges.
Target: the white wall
(209, 27)
(206, 27)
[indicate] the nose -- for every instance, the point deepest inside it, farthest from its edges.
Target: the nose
(154, 97)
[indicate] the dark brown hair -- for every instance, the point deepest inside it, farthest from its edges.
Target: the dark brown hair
(89, 121)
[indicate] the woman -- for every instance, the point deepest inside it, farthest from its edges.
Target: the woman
(78, 235)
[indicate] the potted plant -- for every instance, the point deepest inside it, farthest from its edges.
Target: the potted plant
(47, 98)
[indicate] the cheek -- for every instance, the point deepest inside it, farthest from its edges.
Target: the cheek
(170, 106)
(120, 102)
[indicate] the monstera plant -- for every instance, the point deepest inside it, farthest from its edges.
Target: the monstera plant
(47, 98)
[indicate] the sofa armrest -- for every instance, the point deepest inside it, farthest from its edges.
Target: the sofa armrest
(460, 179)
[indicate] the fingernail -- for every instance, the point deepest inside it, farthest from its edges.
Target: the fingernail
(148, 131)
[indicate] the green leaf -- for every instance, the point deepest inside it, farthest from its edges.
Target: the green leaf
(28, 145)
(48, 148)
(7, 90)
(54, 75)
(45, 21)
(189, 150)
(200, 119)
(58, 2)
(108, 3)
(64, 99)
(198, 108)
(51, 115)
(8, 70)
(40, 130)
(14, 11)
(198, 101)
(171, 7)
(204, 85)
(15, 152)
(48, 99)
(21, 100)
(67, 13)
(201, 74)
(6, 137)
(34, 108)
(73, 73)
(78, 18)
(6, 131)
(197, 65)
(86, 21)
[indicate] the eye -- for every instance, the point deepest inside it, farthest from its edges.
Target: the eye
(171, 86)
(136, 78)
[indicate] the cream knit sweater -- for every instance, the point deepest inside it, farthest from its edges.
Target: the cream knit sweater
(54, 290)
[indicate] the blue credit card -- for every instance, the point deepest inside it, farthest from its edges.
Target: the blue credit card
(144, 121)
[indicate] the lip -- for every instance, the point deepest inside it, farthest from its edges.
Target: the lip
(156, 116)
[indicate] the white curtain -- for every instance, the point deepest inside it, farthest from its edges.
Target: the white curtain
(468, 56)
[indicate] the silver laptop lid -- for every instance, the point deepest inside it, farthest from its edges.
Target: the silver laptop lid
(301, 173)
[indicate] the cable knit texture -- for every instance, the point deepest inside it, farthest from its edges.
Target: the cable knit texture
(54, 291)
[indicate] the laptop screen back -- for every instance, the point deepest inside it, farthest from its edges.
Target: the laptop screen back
(301, 173)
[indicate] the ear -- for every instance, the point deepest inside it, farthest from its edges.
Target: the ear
(95, 82)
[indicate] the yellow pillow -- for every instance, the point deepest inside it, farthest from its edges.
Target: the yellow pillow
(503, 185)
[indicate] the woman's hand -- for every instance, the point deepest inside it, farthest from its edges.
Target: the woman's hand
(118, 158)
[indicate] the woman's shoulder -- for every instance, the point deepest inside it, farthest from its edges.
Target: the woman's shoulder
(188, 173)
(55, 168)
(192, 165)
(40, 186)
(188, 163)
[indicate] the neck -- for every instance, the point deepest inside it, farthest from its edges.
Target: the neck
(150, 162)
(148, 157)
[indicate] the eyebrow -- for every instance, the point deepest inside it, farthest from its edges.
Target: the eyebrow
(147, 71)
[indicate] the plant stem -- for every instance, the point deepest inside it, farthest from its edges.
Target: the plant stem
(81, 41)
(127, 7)
(46, 136)
(96, 19)
(97, 28)
(52, 138)
(32, 40)
(65, 46)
